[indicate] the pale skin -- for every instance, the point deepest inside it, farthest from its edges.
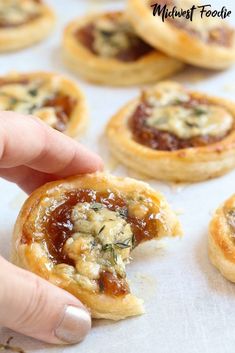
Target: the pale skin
(31, 154)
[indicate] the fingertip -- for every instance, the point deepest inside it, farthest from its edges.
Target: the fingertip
(36, 308)
(99, 164)
(87, 161)
(74, 325)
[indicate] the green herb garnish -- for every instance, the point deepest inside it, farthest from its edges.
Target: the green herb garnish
(190, 124)
(125, 244)
(107, 247)
(96, 206)
(93, 244)
(123, 212)
(101, 229)
(122, 245)
(114, 254)
(13, 100)
(177, 101)
(32, 108)
(110, 248)
(33, 92)
(199, 111)
(106, 34)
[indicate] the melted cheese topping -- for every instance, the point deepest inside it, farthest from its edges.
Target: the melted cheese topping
(102, 242)
(112, 36)
(18, 11)
(163, 94)
(29, 98)
(187, 123)
(168, 114)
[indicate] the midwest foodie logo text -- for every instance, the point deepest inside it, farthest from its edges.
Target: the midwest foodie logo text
(165, 12)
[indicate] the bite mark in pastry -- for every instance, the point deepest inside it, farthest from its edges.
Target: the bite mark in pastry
(222, 238)
(78, 233)
(51, 97)
(23, 23)
(207, 42)
(170, 133)
(105, 49)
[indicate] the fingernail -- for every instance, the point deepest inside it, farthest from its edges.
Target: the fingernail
(74, 326)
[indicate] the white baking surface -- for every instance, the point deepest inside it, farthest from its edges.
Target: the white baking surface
(190, 307)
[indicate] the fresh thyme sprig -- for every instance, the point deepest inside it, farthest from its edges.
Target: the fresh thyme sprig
(101, 229)
(96, 206)
(13, 100)
(199, 110)
(127, 243)
(33, 92)
(123, 212)
(111, 249)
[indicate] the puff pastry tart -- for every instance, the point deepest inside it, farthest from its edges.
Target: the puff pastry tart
(78, 233)
(51, 97)
(23, 23)
(207, 42)
(105, 49)
(173, 134)
(222, 239)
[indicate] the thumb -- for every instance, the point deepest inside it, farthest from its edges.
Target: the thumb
(36, 308)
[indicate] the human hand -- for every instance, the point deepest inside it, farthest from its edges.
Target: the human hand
(30, 155)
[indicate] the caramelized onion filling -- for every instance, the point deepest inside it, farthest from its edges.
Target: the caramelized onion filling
(15, 13)
(26, 97)
(163, 139)
(113, 37)
(94, 232)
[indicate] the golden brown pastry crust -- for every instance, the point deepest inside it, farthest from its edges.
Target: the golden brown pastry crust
(25, 35)
(33, 259)
(110, 71)
(177, 42)
(221, 240)
(183, 165)
(78, 119)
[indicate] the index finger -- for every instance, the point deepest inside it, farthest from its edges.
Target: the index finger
(25, 140)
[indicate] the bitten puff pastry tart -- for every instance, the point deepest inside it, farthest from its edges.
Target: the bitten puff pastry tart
(23, 23)
(78, 234)
(207, 42)
(170, 133)
(105, 49)
(53, 98)
(222, 239)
